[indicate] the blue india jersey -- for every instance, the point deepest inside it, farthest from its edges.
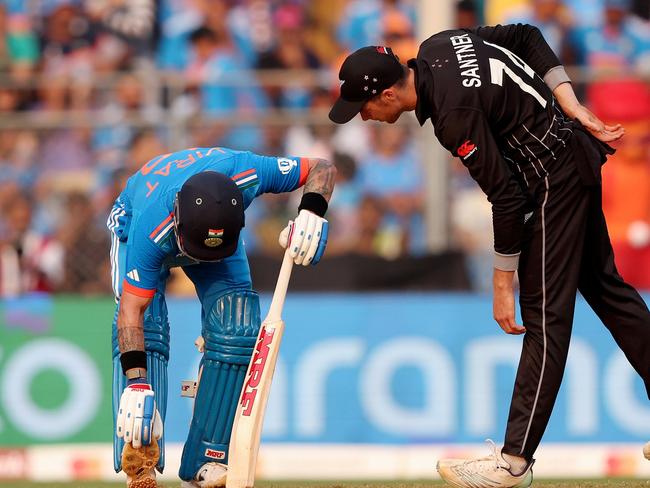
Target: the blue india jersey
(143, 213)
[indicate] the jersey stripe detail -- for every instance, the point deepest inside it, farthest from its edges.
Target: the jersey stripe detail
(164, 232)
(134, 290)
(243, 173)
(162, 225)
(112, 223)
(304, 171)
(246, 179)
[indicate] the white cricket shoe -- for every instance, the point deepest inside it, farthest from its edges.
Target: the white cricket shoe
(646, 451)
(488, 472)
(211, 475)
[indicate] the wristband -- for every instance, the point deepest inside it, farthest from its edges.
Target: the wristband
(133, 359)
(554, 77)
(314, 202)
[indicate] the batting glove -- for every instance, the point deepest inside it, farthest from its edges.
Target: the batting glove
(138, 419)
(306, 238)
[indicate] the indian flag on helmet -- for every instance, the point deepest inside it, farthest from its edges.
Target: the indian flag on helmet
(214, 238)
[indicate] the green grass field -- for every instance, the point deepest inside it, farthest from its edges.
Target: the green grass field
(612, 483)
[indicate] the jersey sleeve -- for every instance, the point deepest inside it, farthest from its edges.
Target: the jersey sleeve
(526, 41)
(145, 254)
(465, 132)
(270, 174)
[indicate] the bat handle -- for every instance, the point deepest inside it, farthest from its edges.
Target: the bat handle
(275, 310)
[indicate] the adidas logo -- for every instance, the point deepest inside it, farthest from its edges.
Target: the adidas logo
(133, 274)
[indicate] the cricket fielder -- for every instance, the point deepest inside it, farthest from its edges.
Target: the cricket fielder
(499, 99)
(187, 209)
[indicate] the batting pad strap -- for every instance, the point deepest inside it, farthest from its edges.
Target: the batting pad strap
(555, 77)
(506, 262)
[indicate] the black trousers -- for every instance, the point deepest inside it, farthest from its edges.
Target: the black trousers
(567, 248)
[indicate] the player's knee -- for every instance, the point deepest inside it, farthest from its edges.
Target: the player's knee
(230, 327)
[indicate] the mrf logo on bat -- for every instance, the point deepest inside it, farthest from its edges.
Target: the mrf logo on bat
(257, 368)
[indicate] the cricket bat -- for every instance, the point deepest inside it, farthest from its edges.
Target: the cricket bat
(249, 417)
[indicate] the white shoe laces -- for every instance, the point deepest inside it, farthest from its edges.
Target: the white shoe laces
(492, 457)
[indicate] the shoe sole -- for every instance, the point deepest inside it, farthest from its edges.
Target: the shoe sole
(525, 483)
(139, 465)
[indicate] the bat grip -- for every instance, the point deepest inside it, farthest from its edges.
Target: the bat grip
(275, 310)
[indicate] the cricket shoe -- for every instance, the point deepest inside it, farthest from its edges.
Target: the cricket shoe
(646, 451)
(489, 472)
(139, 465)
(211, 475)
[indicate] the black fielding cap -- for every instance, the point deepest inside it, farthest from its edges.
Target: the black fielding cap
(364, 74)
(208, 215)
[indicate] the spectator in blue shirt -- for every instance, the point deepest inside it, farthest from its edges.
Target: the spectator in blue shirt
(225, 89)
(621, 40)
(392, 173)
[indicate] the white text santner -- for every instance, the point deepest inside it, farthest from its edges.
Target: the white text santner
(467, 62)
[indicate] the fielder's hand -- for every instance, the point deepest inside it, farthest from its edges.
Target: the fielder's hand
(600, 130)
(138, 419)
(503, 303)
(306, 238)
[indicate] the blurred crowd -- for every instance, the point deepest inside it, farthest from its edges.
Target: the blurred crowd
(90, 90)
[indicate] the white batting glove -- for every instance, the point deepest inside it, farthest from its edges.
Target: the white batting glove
(138, 419)
(306, 238)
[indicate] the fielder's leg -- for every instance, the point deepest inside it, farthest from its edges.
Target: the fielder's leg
(548, 272)
(230, 329)
(618, 305)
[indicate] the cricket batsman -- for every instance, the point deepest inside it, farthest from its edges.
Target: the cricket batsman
(499, 99)
(187, 209)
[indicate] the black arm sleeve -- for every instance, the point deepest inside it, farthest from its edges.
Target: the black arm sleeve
(526, 41)
(465, 132)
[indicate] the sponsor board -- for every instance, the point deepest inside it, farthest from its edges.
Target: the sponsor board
(398, 369)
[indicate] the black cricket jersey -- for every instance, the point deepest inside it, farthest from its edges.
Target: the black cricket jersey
(483, 91)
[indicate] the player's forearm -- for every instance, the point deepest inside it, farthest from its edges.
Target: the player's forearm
(508, 220)
(567, 99)
(502, 280)
(321, 178)
(130, 334)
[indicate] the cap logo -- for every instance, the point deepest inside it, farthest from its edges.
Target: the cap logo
(214, 238)
(382, 50)
(213, 241)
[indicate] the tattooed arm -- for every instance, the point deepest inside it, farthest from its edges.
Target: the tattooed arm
(130, 322)
(306, 237)
(321, 178)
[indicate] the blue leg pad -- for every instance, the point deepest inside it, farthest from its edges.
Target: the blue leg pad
(230, 329)
(156, 340)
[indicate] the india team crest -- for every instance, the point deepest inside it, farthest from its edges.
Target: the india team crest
(214, 238)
